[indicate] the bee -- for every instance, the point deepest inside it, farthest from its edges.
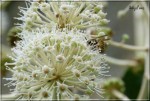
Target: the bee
(98, 43)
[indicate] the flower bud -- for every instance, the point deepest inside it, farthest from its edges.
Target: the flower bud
(60, 58)
(45, 69)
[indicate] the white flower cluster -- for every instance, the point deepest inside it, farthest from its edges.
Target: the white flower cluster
(80, 15)
(53, 61)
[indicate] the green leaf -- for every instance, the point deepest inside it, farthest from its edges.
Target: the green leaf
(133, 80)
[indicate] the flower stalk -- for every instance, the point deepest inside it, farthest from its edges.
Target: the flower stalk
(128, 47)
(121, 62)
(120, 95)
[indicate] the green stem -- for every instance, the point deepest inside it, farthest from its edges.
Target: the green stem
(144, 90)
(120, 62)
(128, 47)
(9, 97)
(142, 26)
(120, 95)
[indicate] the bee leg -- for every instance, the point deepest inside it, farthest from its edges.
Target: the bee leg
(94, 48)
(88, 42)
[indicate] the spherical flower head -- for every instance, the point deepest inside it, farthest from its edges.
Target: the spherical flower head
(54, 64)
(80, 15)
